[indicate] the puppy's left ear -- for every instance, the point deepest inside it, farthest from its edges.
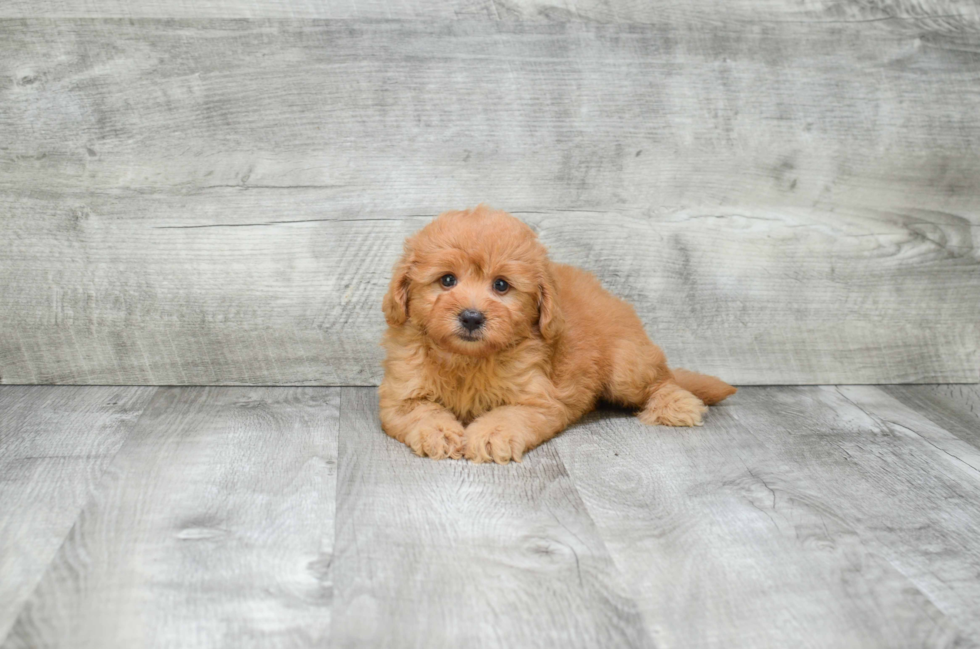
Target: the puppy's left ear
(550, 320)
(395, 303)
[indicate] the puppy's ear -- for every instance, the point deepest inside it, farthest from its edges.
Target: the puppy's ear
(550, 320)
(395, 303)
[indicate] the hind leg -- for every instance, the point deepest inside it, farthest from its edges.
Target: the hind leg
(639, 377)
(672, 405)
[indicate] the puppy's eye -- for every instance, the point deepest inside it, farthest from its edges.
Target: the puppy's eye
(448, 280)
(500, 285)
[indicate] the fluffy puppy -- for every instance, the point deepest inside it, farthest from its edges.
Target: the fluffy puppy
(493, 349)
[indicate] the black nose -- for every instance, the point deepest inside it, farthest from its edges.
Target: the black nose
(471, 319)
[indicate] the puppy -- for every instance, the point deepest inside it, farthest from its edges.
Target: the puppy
(493, 349)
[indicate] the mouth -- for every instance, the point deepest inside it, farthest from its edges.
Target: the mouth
(469, 337)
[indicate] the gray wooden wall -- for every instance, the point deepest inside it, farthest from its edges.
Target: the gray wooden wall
(213, 191)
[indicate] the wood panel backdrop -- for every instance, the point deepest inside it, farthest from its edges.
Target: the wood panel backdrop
(213, 192)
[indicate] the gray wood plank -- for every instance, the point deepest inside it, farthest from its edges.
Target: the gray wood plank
(940, 15)
(954, 408)
(792, 518)
(535, 115)
(765, 234)
(266, 287)
(940, 554)
(910, 419)
(451, 554)
(278, 9)
(214, 527)
(55, 444)
(933, 15)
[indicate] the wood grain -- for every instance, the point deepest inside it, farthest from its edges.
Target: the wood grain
(937, 474)
(252, 9)
(182, 290)
(534, 116)
(214, 527)
(944, 15)
(792, 518)
(206, 201)
(954, 408)
(54, 446)
(808, 517)
(914, 420)
(452, 554)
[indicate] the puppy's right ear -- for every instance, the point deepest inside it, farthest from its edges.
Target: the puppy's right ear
(395, 303)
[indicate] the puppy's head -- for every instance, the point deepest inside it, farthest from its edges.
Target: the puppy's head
(474, 282)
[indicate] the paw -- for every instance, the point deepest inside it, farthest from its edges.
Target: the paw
(437, 440)
(676, 407)
(488, 442)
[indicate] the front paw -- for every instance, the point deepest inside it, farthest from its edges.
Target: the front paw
(438, 440)
(488, 442)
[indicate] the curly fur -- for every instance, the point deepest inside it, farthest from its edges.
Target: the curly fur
(553, 345)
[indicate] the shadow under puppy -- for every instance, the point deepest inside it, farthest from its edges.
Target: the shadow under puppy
(493, 349)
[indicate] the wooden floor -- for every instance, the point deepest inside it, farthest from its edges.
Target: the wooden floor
(283, 517)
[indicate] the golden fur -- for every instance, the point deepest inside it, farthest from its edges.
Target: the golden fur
(553, 345)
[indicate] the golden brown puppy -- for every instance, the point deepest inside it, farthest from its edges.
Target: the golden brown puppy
(493, 349)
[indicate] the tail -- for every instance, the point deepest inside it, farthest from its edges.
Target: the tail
(707, 388)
